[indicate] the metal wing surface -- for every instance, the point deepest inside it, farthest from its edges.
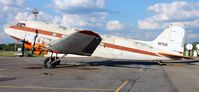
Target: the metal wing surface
(82, 42)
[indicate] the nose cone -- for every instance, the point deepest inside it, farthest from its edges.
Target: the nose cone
(10, 31)
(7, 30)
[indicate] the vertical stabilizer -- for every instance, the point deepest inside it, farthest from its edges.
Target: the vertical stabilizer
(171, 40)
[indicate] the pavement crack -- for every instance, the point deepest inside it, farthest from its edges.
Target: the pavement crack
(7, 78)
(131, 86)
(132, 83)
(169, 80)
(45, 73)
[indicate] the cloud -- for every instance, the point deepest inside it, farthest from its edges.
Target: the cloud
(24, 16)
(12, 2)
(92, 19)
(4, 38)
(85, 7)
(79, 13)
(114, 25)
(71, 20)
(12, 11)
(9, 8)
(73, 13)
(180, 13)
(193, 35)
(80, 4)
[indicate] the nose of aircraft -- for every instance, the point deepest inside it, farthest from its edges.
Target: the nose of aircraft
(6, 30)
(10, 31)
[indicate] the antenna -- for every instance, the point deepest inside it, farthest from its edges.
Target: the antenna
(35, 12)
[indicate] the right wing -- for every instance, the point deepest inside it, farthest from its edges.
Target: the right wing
(80, 43)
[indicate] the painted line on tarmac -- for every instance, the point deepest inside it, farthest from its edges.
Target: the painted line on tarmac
(76, 89)
(121, 86)
(141, 69)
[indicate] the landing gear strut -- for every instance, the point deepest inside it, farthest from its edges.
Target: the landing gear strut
(51, 62)
(161, 63)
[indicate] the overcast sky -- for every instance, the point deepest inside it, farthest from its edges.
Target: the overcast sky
(137, 19)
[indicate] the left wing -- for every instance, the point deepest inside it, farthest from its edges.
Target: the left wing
(82, 42)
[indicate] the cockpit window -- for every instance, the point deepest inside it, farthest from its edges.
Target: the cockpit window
(21, 24)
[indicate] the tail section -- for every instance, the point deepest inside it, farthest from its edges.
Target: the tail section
(171, 40)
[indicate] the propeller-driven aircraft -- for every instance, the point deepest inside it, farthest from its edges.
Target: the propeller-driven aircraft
(44, 37)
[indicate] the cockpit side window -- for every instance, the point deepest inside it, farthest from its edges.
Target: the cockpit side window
(21, 24)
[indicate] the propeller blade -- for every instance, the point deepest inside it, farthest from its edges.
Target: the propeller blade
(36, 35)
(23, 47)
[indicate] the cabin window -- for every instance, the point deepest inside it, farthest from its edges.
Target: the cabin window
(54, 34)
(101, 44)
(64, 28)
(64, 36)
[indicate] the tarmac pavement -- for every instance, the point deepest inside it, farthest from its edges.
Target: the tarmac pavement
(86, 74)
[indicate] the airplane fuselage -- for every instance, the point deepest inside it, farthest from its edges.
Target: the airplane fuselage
(109, 47)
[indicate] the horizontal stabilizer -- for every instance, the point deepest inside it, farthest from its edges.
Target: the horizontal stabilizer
(174, 56)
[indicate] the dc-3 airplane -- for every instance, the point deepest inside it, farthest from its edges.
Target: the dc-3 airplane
(45, 37)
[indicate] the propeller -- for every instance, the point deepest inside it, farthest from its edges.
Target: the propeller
(23, 47)
(33, 49)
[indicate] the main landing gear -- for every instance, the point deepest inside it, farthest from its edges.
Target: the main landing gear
(51, 62)
(161, 63)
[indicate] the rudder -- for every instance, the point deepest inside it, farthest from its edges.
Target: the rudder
(171, 39)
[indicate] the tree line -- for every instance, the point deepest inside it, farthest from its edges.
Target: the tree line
(8, 47)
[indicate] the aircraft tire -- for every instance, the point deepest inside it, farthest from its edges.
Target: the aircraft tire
(47, 63)
(58, 62)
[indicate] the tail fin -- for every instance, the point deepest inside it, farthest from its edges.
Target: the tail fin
(171, 39)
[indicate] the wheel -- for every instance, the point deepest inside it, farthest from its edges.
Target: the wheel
(58, 62)
(48, 63)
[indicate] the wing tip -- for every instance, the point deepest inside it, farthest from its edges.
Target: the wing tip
(88, 32)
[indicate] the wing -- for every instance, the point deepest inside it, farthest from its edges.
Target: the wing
(81, 43)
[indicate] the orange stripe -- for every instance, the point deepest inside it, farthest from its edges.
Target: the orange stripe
(129, 49)
(28, 29)
(173, 55)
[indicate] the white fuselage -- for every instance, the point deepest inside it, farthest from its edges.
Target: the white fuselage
(110, 46)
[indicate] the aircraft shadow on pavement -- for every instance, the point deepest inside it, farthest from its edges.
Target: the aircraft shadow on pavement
(119, 62)
(112, 63)
(123, 63)
(108, 63)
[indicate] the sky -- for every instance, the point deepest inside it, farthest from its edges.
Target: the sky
(136, 19)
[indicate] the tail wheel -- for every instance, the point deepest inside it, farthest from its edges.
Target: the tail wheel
(48, 63)
(57, 62)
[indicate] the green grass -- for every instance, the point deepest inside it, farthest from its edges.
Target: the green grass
(13, 54)
(7, 53)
